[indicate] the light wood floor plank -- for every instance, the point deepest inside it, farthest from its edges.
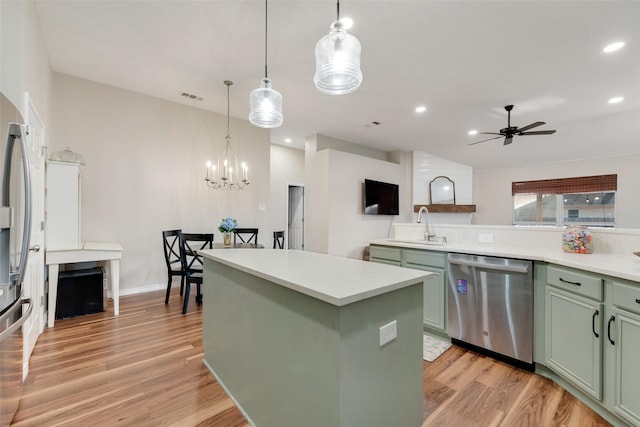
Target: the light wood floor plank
(144, 368)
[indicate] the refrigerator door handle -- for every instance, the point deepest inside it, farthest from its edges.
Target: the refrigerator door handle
(15, 132)
(11, 329)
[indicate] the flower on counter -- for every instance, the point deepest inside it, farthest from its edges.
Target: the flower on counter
(228, 225)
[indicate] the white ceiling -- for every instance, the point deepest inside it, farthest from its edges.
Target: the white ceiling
(464, 60)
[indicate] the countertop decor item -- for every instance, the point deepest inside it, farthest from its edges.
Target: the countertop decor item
(577, 239)
(226, 227)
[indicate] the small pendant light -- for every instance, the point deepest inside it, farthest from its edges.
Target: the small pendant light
(338, 61)
(265, 102)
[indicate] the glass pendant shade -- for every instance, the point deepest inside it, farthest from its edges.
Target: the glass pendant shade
(266, 106)
(338, 62)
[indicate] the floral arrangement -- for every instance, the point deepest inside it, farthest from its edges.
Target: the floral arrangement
(228, 225)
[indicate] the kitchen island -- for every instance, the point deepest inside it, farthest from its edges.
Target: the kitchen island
(295, 337)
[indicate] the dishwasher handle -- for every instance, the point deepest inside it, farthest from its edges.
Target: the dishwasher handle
(522, 268)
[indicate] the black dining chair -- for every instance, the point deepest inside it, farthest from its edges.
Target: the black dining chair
(278, 239)
(246, 235)
(171, 245)
(192, 263)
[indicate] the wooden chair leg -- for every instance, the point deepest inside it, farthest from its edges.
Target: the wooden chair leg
(166, 298)
(187, 291)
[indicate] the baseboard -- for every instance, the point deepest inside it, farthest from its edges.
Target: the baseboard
(142, 289)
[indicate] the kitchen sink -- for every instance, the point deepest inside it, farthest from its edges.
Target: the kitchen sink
(438, 241)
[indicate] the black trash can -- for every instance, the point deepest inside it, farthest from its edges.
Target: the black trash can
(79, 292)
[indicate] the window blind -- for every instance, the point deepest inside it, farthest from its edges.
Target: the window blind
(582, 184)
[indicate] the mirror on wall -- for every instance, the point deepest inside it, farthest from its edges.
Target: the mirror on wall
(442, 191)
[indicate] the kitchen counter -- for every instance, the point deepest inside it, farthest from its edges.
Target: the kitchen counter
(335, 280)
(624, 266)
(295, 337)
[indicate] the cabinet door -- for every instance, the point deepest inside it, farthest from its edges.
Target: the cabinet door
(627, 377)
(434, 297)
(573, 339)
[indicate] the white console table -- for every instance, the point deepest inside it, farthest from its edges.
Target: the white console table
(90, 251)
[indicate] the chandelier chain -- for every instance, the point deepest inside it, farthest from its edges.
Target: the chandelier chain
(265, 39)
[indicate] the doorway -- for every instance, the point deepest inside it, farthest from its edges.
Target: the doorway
(295, 217)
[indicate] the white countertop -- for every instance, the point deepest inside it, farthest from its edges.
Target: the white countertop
(332, 279)
(624, 266)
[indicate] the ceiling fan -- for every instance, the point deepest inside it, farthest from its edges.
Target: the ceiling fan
(510, 131)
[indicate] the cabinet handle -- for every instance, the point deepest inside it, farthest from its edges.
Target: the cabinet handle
(638, 300)
(611, 319)
(593, 323)
(570, 282)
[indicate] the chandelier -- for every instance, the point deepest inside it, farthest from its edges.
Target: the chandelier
(227, 173)
(338, 61)
(265, 102)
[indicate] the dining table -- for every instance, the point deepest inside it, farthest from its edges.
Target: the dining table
(238, 246)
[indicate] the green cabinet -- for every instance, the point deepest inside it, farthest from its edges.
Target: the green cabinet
(435, 288)
(623, 336)
(573, 326)
(572, 339)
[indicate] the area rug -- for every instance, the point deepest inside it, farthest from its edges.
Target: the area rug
(433, 347)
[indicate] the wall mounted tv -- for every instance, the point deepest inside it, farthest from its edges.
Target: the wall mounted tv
(380, 198)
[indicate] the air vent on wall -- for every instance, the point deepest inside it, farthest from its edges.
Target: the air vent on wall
(373, 123)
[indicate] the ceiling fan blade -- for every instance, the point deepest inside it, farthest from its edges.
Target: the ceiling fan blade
(538, 132)
(484, 140)
(531, 126)
(490, 133)
(508, 140)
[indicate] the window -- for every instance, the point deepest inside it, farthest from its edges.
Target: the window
(579, 201)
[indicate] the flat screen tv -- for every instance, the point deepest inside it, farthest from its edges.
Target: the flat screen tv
(380, 198)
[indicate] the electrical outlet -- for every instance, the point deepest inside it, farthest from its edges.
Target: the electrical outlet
(388, 332)
(485, 238)
(262, 206)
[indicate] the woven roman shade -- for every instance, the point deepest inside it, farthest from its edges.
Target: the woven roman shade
(582, 184)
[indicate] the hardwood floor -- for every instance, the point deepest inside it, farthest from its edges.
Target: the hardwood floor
(144, 368)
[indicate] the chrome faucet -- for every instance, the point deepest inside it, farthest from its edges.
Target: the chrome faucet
(427, 232)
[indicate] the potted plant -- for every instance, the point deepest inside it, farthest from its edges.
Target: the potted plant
(226, 228)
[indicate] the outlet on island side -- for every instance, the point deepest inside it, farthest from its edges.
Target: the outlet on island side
(388, 332)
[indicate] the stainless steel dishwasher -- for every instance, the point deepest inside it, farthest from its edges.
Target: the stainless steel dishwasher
(490, 306)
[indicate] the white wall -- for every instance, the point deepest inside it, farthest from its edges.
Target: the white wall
(145, 171)
(425, 168)
(24, 61)
(493, 187)
(287, 168)
(334, 218)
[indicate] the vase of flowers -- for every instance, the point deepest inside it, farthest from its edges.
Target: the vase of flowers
(226, 227)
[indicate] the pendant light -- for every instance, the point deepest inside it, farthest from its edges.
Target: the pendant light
(265, 102)
(338, 61)
(227, 173)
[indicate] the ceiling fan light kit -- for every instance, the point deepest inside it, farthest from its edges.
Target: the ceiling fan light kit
(338, 61)
(510, 131)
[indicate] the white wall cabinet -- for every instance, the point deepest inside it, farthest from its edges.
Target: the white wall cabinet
(62, 206)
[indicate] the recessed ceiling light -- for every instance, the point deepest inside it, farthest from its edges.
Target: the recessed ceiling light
(287, 140)
(421, 109)
(347, 22)
(616, 99)
(613, 47)
(473, 132)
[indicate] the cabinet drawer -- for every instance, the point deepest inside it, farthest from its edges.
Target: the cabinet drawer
(384, 252)
(575, 281)
(626, 296)
(434, 259)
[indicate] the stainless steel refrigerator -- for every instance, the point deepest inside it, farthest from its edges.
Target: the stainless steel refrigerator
(15, 230)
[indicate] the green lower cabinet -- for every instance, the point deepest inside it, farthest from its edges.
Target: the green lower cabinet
(434, 295)
(435, 288)
(627, 372)
(573, 338)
